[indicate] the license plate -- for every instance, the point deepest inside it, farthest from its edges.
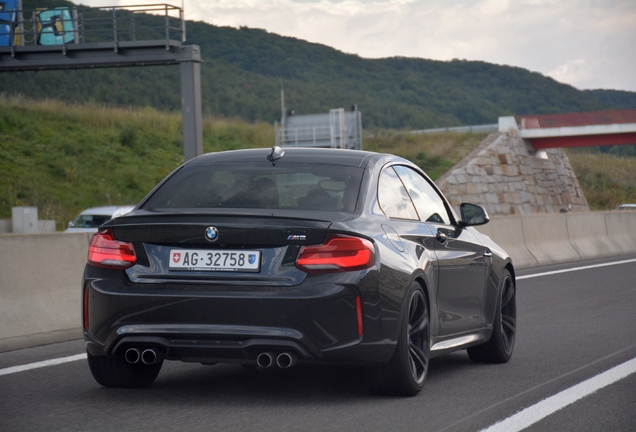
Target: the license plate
(218, 260)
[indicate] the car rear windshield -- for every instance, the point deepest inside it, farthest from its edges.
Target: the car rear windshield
(259, 185)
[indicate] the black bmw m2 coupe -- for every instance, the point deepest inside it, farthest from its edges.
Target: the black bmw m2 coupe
(272, 257)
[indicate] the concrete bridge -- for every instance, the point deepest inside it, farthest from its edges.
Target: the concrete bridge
(578, 129)
(522, 169)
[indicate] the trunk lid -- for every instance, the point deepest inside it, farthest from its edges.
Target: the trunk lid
(273, 241)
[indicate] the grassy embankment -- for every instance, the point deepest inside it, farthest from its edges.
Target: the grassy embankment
(607, 180)
(65, 158)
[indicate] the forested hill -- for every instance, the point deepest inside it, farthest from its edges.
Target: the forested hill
(244, 70)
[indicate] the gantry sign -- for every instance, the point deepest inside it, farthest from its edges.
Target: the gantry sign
(82, 37)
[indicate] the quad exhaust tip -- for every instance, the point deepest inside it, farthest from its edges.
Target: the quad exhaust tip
(147, 356)
(286, 360)
(265, 360)
(132, 355)
(283, 360)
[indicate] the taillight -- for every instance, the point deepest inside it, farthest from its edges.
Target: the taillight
(104, 251)
(338, 253)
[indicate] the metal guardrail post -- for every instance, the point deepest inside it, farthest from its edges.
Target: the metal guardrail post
(115, 29)
(183, 25)
(75, 26)
(133, 35)
(191, 107)
(167, 19)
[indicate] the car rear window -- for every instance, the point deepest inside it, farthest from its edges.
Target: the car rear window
(259, 185)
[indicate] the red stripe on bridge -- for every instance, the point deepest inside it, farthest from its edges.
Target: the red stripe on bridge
(583, 140)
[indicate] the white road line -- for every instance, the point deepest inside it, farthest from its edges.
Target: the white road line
(575, 269)
(533, 414)
(45, 363)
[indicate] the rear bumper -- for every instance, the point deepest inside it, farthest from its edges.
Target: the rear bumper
(317, 320)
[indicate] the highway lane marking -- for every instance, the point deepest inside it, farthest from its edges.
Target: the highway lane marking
(575, 269)
(539, 411)
(45, 363)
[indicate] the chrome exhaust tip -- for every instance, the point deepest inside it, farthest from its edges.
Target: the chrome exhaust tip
(149, 356)
(265, 360)
(132, 355)
(286, 360)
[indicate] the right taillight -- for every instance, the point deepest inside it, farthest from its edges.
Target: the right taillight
(337, 253)
(107, 252)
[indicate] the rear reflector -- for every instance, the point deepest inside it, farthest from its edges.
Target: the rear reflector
(104, 251)
(85, 310)
(338, 253)
(359, 316)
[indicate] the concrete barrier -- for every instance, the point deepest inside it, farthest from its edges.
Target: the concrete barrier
(40, 274)
(587, 233)
(621, 229)
(507, 232)
(546, 237)
(40, 280)
(533, 240)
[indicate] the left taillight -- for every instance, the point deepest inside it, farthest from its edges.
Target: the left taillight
(337, 253)
(107, 252)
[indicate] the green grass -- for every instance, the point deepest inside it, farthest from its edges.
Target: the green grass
(607, 180)
(64, 158)
(435, 153)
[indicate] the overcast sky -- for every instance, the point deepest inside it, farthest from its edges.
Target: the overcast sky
(586, 43)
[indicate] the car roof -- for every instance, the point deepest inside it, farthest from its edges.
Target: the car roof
(330, 156)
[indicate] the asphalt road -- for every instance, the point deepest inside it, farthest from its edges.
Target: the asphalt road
(572, 327)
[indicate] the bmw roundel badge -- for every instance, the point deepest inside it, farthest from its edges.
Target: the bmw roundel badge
(211, 233)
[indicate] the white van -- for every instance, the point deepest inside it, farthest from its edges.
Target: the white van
(90, 219)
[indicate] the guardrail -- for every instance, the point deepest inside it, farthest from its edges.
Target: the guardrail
(40, 282)
(487, 128)
(81, 25)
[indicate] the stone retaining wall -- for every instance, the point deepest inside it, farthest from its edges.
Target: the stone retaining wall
(505, 176)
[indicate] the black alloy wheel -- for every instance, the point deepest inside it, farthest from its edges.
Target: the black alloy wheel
(502, 341)
(406, 372)
(418, 334)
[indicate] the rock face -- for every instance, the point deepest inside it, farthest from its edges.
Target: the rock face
(506, 177)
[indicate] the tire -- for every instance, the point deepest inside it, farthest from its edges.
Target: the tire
(405, 374)
(502, 341)
(114, 372)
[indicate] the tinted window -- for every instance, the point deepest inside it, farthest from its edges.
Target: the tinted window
(428, 202)
(394, 200)
(260, 185)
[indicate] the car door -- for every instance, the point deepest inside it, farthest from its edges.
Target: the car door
(460, 258)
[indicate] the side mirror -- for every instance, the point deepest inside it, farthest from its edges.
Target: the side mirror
(473, 214)
(71, 224)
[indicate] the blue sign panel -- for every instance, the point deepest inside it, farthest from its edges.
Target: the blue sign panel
(55, 26)
(7, 21)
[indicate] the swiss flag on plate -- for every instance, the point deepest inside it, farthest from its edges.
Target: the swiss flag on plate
(176, 257)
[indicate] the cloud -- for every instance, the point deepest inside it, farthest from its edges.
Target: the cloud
(586, 43)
